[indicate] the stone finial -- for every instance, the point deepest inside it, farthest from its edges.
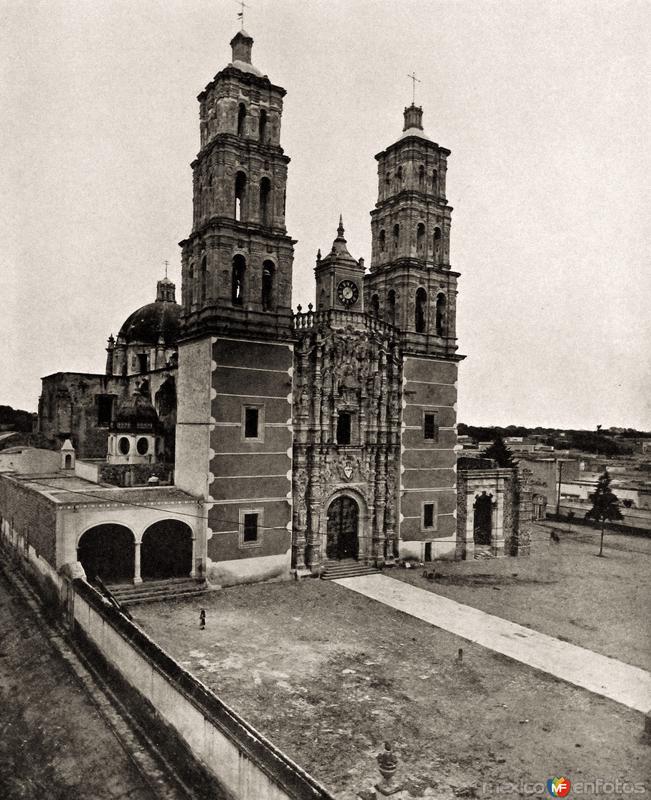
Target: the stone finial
(413, 117)
(387, 762)
(340, 229)
(318, 255)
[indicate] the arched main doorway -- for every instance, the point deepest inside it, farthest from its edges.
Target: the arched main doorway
(166, 550)
(483, 520)
(107, 551)
(342, 531)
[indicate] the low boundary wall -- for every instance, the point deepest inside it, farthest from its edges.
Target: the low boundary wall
(247, 765)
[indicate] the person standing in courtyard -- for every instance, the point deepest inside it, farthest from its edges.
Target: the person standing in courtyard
(202, 619)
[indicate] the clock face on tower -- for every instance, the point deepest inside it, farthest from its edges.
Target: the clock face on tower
(347, 293)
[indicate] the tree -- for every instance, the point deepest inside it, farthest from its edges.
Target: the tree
(500, 453)
(605, 505)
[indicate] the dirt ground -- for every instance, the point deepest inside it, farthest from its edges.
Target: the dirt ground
(53, 742)
(563, 590)
(328, 675)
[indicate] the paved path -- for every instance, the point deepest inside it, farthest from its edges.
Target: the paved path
(602, 675)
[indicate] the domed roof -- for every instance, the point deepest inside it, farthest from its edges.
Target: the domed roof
(160, 318)
(136, 414)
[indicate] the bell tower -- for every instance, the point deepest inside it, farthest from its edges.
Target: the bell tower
(411, 284)
(237, 261)
(233, 434)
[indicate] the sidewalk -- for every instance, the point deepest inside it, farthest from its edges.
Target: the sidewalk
(630, 686)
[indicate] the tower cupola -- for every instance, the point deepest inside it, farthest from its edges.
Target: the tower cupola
(413, 117)
(242, 44)
(339, 277)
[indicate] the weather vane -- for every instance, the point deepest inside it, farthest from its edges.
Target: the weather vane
(240, 13)
(414, 80)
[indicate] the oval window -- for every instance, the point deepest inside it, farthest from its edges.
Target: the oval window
(124, 445)
(142, 446)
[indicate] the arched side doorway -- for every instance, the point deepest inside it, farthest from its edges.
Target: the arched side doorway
(166, 550)
(342, 528)
(483, 520)
(107, 551)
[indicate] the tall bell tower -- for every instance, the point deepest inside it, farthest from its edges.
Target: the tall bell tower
(234, 435)
(411, 284)
(237, 262)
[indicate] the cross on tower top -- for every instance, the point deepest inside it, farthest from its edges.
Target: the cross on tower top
(414, 81)
(167, 263)
(240, 13)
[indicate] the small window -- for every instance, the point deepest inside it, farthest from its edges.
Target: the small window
(429, 515)
(251, 423)
(343, 427)
(375, 306)
(383, 241)
(143, 362)
(104, 410)
(250, 528)
(142, 446)
(124, 445)
(241, 119)
(262, 128)
(430, 426)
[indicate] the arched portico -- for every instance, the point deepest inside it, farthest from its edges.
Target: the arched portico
(166, 550)
(107, 551)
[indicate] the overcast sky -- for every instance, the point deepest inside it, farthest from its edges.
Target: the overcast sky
(544, 105)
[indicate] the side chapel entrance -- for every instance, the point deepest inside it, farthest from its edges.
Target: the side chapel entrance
(483, 523)
(342, 532)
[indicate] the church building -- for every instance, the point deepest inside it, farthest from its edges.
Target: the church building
(303, 438)
(327, 433)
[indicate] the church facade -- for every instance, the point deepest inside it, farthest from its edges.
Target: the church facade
(327, 433)
(300, 439)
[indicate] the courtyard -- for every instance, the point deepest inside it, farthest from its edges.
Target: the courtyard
(328, 675)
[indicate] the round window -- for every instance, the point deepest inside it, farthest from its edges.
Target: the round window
(123, 445)
(142, 446)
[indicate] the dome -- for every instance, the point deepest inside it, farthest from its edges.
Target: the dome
(136, 414)
(160, 318)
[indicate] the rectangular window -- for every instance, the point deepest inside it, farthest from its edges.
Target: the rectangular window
(250, 528)
(343, 427)
(429, 516)
(251, 423)
(430, 426)
(104, 410)
(143, 362)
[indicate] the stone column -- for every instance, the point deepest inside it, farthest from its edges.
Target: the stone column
(136, 568)
(193, 570)
(497, 522)
(470, 524)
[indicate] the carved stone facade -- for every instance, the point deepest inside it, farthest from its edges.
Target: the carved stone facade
(346, 364)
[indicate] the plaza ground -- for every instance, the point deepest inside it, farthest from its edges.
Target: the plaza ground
(563, 590)
(53, 744)
(328, 675)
